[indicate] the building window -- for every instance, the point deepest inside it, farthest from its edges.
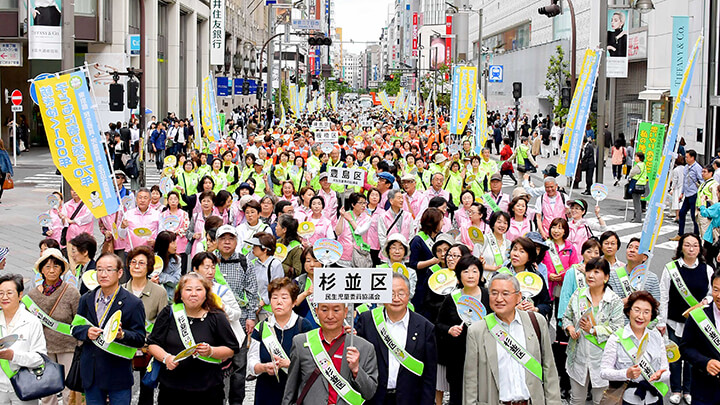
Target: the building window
(6, 5)
(134, 17)
(562, 27)
(86, 7)
(515, 38)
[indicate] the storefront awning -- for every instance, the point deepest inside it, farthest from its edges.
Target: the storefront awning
(654, 94)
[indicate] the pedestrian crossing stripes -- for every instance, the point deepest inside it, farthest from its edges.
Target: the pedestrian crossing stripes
(47, 180)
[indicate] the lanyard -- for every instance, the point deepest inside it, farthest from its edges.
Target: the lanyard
(107, 308)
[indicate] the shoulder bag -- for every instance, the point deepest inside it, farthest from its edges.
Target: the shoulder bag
(63, 234)
(43, 381)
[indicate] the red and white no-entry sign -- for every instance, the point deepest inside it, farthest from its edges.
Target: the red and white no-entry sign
(16, 97)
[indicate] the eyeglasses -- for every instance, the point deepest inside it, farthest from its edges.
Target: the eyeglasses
(691, 245)
(505, 294)
(136, 263)
(401, 295)
(453, 256)
(9, 293)
(638, 311)
(101, 270)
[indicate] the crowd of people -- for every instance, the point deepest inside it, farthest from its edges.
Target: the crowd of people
(217, 260)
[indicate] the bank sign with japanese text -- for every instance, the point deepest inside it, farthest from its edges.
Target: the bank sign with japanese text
(650, 141)
(353, 285)
(75, 140)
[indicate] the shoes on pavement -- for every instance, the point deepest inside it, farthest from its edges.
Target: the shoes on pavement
(616, 182)
(675, 398)
(675, 239)
(687, 398)
(585, 192)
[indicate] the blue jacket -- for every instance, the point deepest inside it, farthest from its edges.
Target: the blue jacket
(712, 212)
(99, 368)
(5, 165)
(158, 138)
(420, 343)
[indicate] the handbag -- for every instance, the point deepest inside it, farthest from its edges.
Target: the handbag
(613, 395)
(45, 380)
(152, 373)
(627, 195)
(8, 184)
(63, 233)
(73, 380)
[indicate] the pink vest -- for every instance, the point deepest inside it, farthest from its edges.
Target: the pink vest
(579, 234)
(181, 229)
(550, 212)
(322, 225)
(403, 226)
(106, 224)
(371, 236)
(568, 256)
(518, 229)
(57, 225)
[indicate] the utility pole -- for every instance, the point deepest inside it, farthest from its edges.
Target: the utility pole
(602, 89)
(479, 54)
(270, 53)
(68, 57)
(141, 113)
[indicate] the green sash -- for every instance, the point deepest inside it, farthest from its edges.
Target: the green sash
(515, 349)
(590, 337)
(114, 348)
(327, 370)
(425, 239)
(44, 318)
(490, 201)
(5, 365)
(308, 283)
(183, 326)
(220, 278)
(495, 249)
(680, 284)
(506, 270)
(555, 257)
(579, 278)
(412, 364)
(292, 245)
(271, 342)
(707, 327)
(646, 369)
(435, 267)
(149, 326)
(358, 239)
(624, 281)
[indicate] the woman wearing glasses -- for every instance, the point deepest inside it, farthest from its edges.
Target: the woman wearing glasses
(451, 329)
(687, 272)
(618, 364)
(140, 262)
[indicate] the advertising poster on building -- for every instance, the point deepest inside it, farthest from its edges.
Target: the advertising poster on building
(217, 32)
(680, 52)
(437, 52)
(45, 29)
(75, 140)
(617, 43)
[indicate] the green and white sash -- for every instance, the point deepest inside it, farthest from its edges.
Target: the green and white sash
(506, 270)
(183, 326)
(579, 278)
(45, 319)
(115, 348)
(272, 344)
(5, 366)
(412, 364)
(313, 312)
(327, 370)
(624, 281)
(495, 249)
(515, 349)
(583, 305)
(435, 267)
(646, 368)
(680, 284)
(428, 242)
(707, 327)
(555, 257)
(358, 239)
(490, 201)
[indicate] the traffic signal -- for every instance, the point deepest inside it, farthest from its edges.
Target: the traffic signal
(116, 97)
(132, 96)
(319, 41)
(246, 88)
(551, 10)
(565, 97)
(517, 90)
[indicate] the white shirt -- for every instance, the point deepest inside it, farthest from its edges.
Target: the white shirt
(615, 362)
(398, 330)
(253, 355)
(665, 281)
(511, 374)
(31, 341)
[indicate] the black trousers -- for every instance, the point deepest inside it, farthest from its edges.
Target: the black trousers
(208, 396)
(588, 178)
(2, 181)
(236, 395)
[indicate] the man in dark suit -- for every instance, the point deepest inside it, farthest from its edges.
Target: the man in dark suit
(105, 368)
(697, 348)
(412, 381)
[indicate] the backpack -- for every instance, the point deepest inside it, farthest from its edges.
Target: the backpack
(131, 167)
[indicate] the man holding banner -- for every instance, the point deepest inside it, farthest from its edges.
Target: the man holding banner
(405, 348)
